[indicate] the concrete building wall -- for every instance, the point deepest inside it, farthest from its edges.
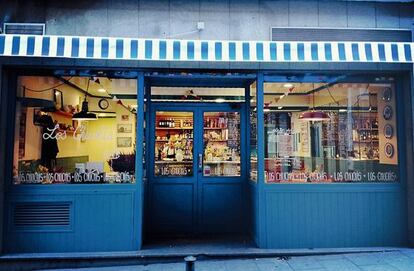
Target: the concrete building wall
(224, 19)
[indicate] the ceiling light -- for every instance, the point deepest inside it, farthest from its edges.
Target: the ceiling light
(220, 100)
(343, 110)
(279, 107)
(314, 116)
(102, 90)
(84, 114)
(288, 85)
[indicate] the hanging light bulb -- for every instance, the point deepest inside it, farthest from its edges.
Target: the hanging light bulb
(313, 115)
(84, 114)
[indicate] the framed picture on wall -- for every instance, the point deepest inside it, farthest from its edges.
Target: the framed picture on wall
(124, 128)
(124, 142)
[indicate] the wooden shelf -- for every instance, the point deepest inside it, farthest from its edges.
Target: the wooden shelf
(173, 128)
(63, 113)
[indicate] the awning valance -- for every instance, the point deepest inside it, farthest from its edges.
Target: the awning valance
(199, 50)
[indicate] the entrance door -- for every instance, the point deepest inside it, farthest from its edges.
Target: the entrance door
(196, 169)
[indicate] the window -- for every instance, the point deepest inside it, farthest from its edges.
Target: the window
(73, 130)
(330, 133)
(253, 133)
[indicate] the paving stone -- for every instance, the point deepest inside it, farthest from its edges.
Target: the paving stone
(304, 263)
(402, 264)
(360, 259)
(273, 264)
(339, 265)
(378, 267)
(245, 265)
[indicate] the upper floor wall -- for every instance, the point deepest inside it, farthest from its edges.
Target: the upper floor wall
(223, 19)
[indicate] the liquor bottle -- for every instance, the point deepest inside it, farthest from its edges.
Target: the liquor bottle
(173, 123)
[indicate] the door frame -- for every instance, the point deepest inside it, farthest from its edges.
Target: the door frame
(198, 109)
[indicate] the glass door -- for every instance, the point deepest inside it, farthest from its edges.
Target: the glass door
(174, 141)
(222, 171)
(221, 144)
(196, 184)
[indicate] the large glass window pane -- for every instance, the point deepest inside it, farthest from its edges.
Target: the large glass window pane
(345, 132)
(174, 144)
(253, 132)
(73, 130)
(221, 139)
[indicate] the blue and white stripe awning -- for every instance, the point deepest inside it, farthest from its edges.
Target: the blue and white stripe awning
(199, 50)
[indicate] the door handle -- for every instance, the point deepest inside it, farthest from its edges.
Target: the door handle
(200, 162)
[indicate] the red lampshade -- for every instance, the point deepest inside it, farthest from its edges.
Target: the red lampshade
(314, 116)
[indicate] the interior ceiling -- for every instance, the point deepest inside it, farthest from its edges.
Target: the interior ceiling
(293, 93)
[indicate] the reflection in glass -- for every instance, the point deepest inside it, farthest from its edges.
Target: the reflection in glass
(52, 147)
(173, 144)
(350, 146)
(221, 139)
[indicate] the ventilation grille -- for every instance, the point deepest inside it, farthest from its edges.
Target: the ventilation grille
(24, 29)
(332, 34)
(39, 214)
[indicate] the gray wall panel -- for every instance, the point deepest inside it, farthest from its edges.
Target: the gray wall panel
(303, 13)
(333, 14)
(361, 14)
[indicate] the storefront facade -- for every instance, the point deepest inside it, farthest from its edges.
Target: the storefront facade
(111, 143)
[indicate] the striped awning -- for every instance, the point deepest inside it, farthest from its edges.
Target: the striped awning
(199, 50)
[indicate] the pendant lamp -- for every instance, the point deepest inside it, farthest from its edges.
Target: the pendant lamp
(84, 114)
(313, 115)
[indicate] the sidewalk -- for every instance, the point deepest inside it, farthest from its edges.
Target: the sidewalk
(402, 260)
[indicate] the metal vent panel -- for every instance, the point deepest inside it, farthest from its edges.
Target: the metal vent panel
(24, 28)
(333, 34)
(36, 215)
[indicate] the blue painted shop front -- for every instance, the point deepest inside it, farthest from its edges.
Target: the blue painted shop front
(108, 217)
(281, 178)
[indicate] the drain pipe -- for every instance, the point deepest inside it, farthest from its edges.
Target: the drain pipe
(189, 263)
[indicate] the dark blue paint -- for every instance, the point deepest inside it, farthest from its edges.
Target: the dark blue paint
(341, 51)
(273, 51)
(190, 50)
(176, 50)
(2, 38)
(259, 51)
(381, 52)
(105, 48)
(328, 51)
(60, 51)
(368, 51)
(394, 52)
(355, 51)
(301, 51)
(314, 51)
(15, 45)
(407, 52)
(232, 50)
(148, 49)
(218, 47)
(31, 45)
(134, 49)
(45, 46)
(246, 50)
(204, 50)
(119, 48)
(163, 49)
(75, 47)
(286, 51)
(90, 43)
